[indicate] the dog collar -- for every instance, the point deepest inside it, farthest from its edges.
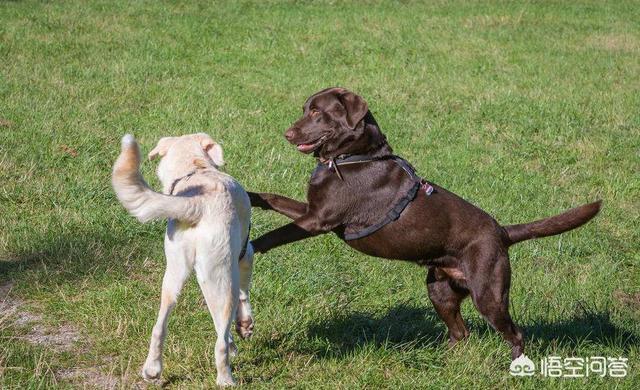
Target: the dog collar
(178, 180)
(335, 162)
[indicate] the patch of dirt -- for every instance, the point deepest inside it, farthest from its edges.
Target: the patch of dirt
(9, 306)
(615, 42)
(61, 338)
(69, 150)
(5, 123)
(628, 299)
(89, 377)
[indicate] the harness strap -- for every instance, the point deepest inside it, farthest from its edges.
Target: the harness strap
(246, 244)
(335, 162)
(391, 216)
(394, 213)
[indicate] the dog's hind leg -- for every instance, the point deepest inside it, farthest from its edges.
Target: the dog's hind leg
(244, 314)
(446, 299)
(218, 280)
(177, 272)
(489, 280)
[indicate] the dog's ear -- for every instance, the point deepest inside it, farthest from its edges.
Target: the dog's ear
(213, 149)
(355, 106)
(201, 163)
(162, 147)
(215, 152)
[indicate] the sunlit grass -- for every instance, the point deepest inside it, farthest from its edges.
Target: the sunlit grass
(523, 109)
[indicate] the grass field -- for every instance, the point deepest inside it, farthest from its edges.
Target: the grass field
(524, 109)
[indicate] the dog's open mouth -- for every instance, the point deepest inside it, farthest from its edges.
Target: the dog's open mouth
(310, 147)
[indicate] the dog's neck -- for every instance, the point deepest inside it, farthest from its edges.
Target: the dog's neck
(372, 143)
(180, 165)
(377, 146)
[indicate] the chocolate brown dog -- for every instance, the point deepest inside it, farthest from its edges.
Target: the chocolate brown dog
(376, 203)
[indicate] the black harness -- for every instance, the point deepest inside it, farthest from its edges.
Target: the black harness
(187, 177)
(178, 180)
(394, 213)
(246, 244)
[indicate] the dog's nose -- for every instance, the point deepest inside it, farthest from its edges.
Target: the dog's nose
(289, 134)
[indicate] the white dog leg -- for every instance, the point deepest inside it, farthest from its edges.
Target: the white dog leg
(244, 315)
(175, 275)
(233, 349)
(219, 285)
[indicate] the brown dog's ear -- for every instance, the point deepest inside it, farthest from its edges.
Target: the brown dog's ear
(161, 148)
(212, 149)
(355, 106)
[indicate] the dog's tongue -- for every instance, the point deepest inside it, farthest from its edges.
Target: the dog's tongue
(305, 147)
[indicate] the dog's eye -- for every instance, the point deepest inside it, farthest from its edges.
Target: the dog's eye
(314, 113)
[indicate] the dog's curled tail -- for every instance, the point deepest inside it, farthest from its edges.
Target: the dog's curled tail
(557, 224)
(140, 200)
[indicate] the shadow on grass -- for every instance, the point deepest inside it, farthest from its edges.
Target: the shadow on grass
(67, 257)
(411, 327)
(588, 328)
(402, 327)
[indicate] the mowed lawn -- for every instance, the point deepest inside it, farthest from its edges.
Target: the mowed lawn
(523, 109)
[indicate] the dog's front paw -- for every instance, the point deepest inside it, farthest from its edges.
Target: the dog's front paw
(152, 370)
(225, 380)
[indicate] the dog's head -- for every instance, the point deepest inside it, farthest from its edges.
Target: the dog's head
(334, 122)
(186, 153)
(197, 143)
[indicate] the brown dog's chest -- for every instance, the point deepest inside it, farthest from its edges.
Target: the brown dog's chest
(365, 194)
(365, 197)
(419, 233)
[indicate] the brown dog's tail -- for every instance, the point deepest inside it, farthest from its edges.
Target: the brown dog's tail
(557, 224)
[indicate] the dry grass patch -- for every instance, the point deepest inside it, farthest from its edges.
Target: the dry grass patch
(615, 42)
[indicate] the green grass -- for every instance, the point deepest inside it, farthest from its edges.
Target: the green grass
(523, 109)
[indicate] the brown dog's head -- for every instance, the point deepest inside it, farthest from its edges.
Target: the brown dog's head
(334, 122)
